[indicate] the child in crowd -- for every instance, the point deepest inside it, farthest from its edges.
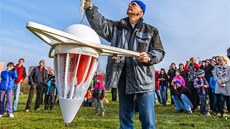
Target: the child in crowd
(179, 77)
(201, 84)
(88, 98)
(98, 95)
(50, 91)
(6, 88)
(212, 84)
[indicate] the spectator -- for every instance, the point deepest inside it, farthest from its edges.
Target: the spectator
(50, 91)
(208, 73)
(6, 87)
(222, 77)
(98, 95)
(163, 81)
(21, 71)
(201, 64)
(212, 84)
(182, 97)
(182, 72)
(88, 98)
(171, 73)
(157, 83)
(179, 77)
(191, 70)
(201, 84)
(37, 79)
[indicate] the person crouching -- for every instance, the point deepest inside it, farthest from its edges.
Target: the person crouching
(182, 97)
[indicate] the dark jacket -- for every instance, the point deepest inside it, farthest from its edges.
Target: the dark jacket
(171, 73)
(37, 76)
(143, 38)
(7, 82)
(163, 82)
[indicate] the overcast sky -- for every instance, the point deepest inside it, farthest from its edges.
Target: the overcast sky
(199, 28)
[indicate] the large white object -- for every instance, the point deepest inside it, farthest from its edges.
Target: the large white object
(76, 51)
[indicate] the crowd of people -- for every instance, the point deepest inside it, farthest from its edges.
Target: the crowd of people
(41, 81)
(204, 86)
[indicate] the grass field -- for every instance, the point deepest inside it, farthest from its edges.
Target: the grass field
(166, 118)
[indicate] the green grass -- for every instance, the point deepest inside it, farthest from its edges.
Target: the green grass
(166, 118)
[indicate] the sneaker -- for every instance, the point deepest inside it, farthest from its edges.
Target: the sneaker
(189, 112)
(1, 115)
(207, 114)
(37, 109)
(27, 110)
(103, 113)
(11, 115)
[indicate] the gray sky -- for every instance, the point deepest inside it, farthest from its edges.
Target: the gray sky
(199, 28)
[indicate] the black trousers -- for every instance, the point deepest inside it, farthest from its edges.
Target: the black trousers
(34, 87)
(49, 102)
(190, 85)
(114, 94)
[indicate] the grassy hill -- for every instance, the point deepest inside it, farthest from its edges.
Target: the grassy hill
(166, 118)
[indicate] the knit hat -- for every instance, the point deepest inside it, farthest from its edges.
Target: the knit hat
(43, 61)
(141, 4)
(178, 82)
(200, 72)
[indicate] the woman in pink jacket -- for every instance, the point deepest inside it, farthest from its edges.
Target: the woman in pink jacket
(179, 77)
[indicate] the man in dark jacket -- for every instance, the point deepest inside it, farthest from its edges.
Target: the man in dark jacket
(182, 97)
(133, 76)
(37, 78)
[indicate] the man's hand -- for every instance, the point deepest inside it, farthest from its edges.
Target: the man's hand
(144, 57)
(88, 4)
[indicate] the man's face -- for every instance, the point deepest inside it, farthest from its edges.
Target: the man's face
(134, 9)
(21, 62)
(41, 64)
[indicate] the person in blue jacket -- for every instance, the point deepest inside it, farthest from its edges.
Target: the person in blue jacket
(212, 83)
(50, 91)
(6, 89)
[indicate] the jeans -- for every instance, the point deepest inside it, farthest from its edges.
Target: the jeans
(182, 103)
(145, 103)
(158, 94)
(8, 107)
(16, 96)
(99, 107)
(203, 103)
(163, 90)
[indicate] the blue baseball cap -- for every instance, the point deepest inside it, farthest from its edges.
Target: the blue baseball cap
(141, 4)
